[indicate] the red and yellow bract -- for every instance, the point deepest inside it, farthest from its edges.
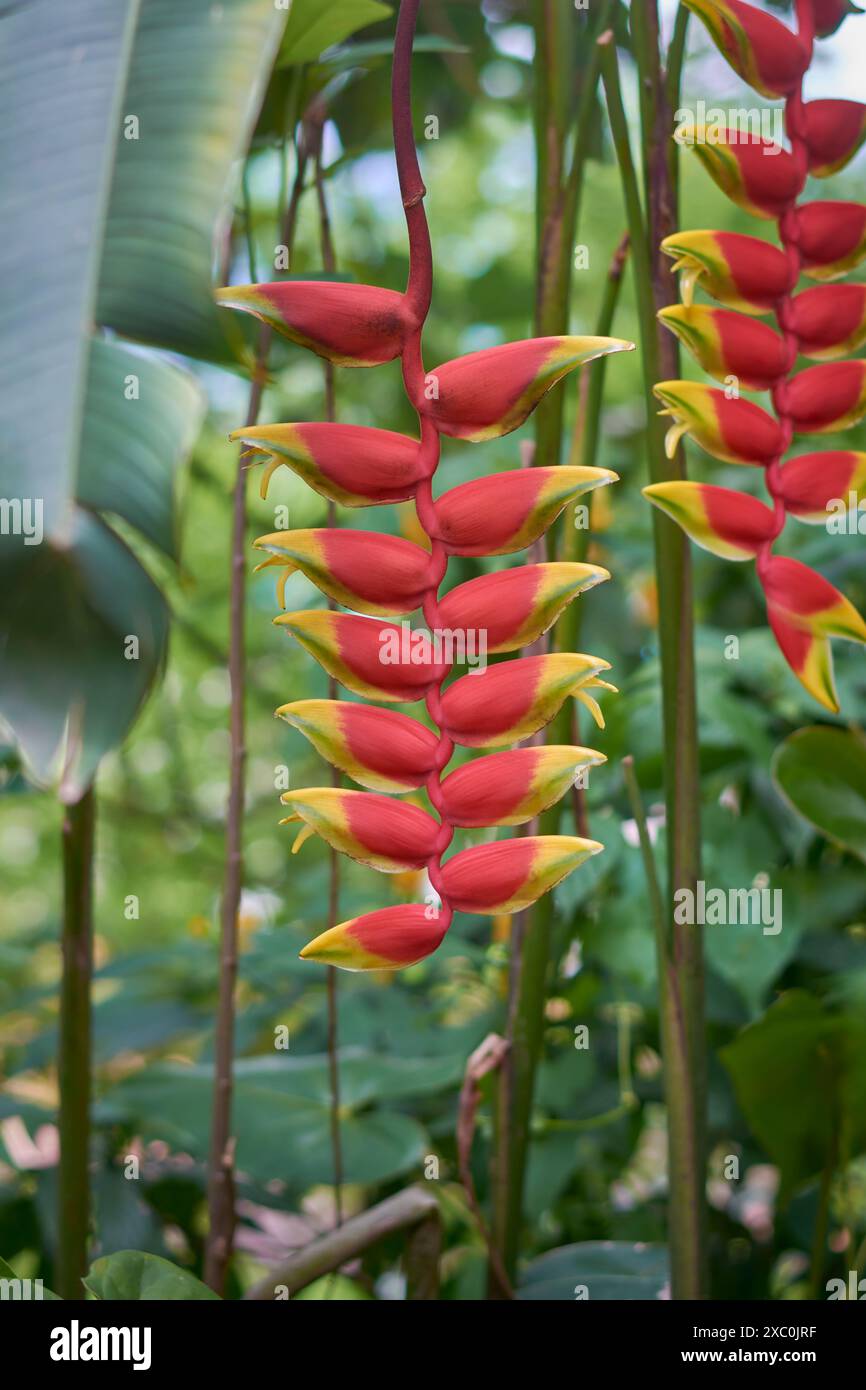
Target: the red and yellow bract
(477, 397)
(822, 240)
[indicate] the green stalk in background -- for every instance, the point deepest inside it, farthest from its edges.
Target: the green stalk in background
(74, 1052)
(680, 948)
(561, 164)
(221, 1170)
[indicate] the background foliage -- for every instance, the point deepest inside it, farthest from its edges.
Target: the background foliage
(782, 804)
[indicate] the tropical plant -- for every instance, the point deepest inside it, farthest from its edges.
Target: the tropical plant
(821, 240)
(479, 397)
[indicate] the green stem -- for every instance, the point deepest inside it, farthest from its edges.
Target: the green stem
(657, 902)
(819, 1236)
(558, 195)
(221, 1167)
(74, 1055)
(680, 947)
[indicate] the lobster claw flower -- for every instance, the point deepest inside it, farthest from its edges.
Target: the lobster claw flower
(830, 320)
(510, 788)
(513, 607)
(834, 132)
(509, 702)
(390, 939)
(729, 344)
(758, 47)
(831, 397)
(379, 748)
(377, 660)
(812, 485)
(350, 325)
(831, 237)
(373, 573)
(805, 610)
(730, 524)
(742, 272)
(764, 184)
(351, 464)
(379, 831)
(509, 875)
(505, 512)
(733, 430)
(830, 13)
(490, 393)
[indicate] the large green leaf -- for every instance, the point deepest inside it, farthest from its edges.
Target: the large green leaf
(281, 1134)
(118, 232)
(800, 1078)
(822, 772)
(141, 420)
(605, 1269)
(195, 84)
(72, 681)
(314, 26)
(62, 73)
(7, 1272)
(130, 1276)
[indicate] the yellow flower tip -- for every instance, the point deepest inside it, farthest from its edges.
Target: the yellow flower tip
(302, 837)
(600, 576)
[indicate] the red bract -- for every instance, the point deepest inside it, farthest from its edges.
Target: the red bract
(828, 14)
(757, 46)
(508, 511)
(833, 132)
(740, 271)
(831, 238)
(753, 172)
(822, 240)
(351, 325)
(351, 464)
(829, 320)
(490, 393)
(481, 396)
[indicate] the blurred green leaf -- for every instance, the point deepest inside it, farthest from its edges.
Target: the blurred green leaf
(281, 1134)
(608, 1270)
(800, 1078)
(7, 1272)
(67, 687)
(822, 772)
(373, 49)
(130, 1276)
(196, 80)
(313, 27)
(135, 437)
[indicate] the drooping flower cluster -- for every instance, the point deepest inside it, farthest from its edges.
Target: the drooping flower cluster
(380, 577)
(751, 277)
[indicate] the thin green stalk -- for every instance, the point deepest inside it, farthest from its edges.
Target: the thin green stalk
(680, 949)
(329, 264)
(656, 897)
(558, 193)
(221, 1165)
(676, 55)
(819, 1235)
(74, 1053)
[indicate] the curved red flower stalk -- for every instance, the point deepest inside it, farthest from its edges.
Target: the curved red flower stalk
(481, 396)
(822, 240)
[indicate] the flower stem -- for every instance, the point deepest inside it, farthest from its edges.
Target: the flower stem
(680, 947)
(221, 1186)
(558, 197)
(74, 1054)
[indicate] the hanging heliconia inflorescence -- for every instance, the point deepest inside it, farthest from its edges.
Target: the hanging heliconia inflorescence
(477, 397)
(821, 240)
